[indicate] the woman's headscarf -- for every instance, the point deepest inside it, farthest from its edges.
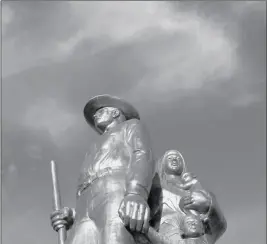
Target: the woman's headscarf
(161, 162)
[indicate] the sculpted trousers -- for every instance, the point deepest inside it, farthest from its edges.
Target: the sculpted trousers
(97, 220)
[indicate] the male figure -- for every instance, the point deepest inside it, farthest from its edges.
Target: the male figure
(171, 219)
(115, 178)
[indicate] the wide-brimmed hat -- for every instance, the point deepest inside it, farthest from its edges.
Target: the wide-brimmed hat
(106, 100)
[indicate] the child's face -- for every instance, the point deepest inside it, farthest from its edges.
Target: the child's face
(174, 164)
(193, 225)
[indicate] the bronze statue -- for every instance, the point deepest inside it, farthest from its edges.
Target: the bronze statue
(186, 213)
(124, 197)
(115, 178)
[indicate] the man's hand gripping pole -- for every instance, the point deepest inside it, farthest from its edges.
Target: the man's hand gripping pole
(57, 201)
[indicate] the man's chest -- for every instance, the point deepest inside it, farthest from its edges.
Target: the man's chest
(110, 144)
(108, 151)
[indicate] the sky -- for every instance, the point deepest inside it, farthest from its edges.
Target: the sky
(194, 70)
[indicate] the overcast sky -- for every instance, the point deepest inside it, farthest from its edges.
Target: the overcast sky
(196, 71)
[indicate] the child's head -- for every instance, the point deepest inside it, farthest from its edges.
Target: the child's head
(173, 163)
(188, 176)
(192, 226)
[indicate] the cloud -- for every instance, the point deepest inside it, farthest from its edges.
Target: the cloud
(186, 60)
(116, 22)
(180, 52)
(34, 24)
(49, 116)
(244, 24)
(7, 17)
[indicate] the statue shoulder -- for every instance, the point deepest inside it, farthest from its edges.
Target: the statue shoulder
(135, 127)
(133, 123)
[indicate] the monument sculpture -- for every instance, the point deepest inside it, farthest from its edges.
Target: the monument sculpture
(125, 196)
(183, 212)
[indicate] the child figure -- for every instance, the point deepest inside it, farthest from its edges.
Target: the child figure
(189, 182)
(192, 227)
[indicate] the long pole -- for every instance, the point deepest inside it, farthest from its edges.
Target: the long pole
(57, 201)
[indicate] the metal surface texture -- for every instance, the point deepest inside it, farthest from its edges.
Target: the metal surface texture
(61, 224)
(125, 196)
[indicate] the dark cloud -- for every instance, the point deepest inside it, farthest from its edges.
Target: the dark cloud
(32, 31)
(40, 23)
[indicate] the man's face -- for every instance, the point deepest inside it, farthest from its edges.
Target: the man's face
(103, 117)
(174, 164)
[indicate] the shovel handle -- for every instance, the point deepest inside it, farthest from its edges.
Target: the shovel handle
(57, 200)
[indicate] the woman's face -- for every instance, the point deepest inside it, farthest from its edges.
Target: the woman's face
(174, 164)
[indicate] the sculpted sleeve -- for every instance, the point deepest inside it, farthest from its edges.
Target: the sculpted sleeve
(142, 166)
(214, 221)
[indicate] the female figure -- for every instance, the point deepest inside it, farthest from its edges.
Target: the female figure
(185, 210)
